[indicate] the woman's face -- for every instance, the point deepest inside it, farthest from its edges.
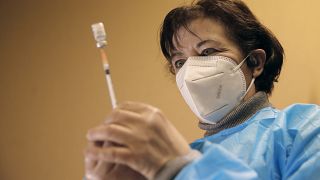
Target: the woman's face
(210, 39)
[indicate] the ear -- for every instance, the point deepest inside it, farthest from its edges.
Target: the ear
(257, 60)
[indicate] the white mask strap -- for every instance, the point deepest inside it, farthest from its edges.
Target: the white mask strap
(249, 87)
(241, 63)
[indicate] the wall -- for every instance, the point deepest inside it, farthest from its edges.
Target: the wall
(52, 84)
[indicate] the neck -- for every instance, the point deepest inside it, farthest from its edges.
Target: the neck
(239, 114)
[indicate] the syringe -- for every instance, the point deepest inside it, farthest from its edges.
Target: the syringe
(100, 37)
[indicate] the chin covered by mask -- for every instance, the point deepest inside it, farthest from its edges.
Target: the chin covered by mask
(212, 86)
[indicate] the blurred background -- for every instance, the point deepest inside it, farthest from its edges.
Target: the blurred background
(53, 88)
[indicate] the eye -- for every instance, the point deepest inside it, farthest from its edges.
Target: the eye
(179, 63)
(208, 52)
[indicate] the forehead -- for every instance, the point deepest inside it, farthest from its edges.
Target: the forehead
(199, 30)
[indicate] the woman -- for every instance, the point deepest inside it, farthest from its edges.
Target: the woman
(225, 62)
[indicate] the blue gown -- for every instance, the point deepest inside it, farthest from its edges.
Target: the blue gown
(272, 144)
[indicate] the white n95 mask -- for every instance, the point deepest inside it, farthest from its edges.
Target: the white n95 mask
(212, 86)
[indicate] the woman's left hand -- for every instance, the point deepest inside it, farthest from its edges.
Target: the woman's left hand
(145, 139)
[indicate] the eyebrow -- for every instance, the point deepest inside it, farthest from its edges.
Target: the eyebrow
(201, 43)
(175, 53)
(207, 41)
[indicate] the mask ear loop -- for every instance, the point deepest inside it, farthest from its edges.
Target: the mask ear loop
(253, 78)
(241, 63)
(249, 87)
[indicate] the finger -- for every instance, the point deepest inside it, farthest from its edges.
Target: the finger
(111, 132)
(140, 108)
(137, 107)
(123, 117)
(112, 154)
(89, 164)
(95, 169)
(103, 168)
(89, 167)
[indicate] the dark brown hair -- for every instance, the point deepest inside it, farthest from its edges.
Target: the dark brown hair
(241, 25)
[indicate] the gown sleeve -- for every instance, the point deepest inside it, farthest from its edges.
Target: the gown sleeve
(300, 130)
(216, 163)
(303, 160)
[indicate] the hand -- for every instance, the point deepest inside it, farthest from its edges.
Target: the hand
(101, 170)
(146, 139)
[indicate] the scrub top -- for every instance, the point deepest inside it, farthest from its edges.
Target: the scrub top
(272, 144)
